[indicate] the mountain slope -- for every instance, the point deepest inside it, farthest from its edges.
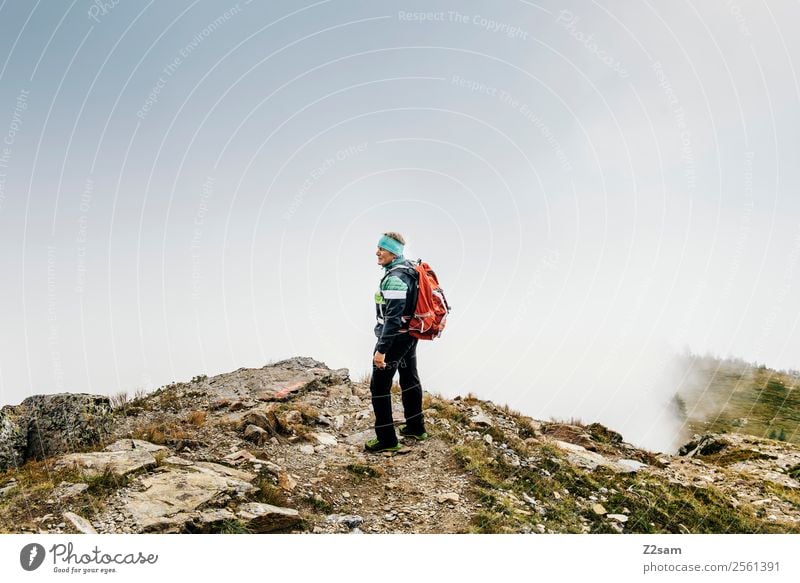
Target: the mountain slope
(280, 449)
(733, 396)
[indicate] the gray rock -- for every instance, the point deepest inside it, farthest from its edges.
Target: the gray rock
(360, 438)
(80, 523)
(210, 517)
(349, 520)
(256, 435)
(174, 460)
(260, 517)
(165, 502)
(450, 497)
(630, 466)
(239, 457)
(134, 444)
(64, 422)
(481, 420)
(259, 419)
(276, 382)
(324, 438)
(618, 517)
(13, 439)
(582, 457)
(121, 463)
(65, 490)
(292, 417)
(299, 363)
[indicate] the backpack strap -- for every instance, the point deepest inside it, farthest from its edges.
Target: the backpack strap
(412, 272)
(408, 268)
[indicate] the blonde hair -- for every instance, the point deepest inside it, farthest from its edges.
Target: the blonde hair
(396, 236)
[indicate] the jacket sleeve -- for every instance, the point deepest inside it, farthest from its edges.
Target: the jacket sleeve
(394, 292)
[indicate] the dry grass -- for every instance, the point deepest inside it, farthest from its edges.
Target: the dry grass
(119, 400)
(197, 418)
(33, 497)
(160, 433)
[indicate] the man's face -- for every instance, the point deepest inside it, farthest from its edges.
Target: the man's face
(384, 256)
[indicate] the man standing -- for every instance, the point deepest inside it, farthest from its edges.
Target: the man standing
(396, 349)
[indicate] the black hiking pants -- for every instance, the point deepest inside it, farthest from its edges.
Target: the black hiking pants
(401, 357)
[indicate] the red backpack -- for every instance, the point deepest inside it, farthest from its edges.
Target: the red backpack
(430, 313)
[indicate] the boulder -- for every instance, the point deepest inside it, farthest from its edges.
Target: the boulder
(285, 379)
(13, 439)
(120, 463)
(63, 423)
(263, 419)
(167, 501)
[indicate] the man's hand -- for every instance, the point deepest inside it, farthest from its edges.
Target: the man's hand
(379, 360)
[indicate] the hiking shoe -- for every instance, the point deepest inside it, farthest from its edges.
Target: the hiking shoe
(403, 429)
(376, 446)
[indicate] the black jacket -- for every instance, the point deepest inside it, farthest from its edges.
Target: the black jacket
(395, 302)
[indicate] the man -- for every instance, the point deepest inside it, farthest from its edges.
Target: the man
(396, 349)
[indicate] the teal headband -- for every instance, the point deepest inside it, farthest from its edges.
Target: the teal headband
(391, 245)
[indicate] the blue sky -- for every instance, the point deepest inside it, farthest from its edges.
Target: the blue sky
(192, 187)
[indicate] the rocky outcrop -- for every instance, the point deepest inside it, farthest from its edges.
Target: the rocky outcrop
(121, 458)
(64, 422)
(46, 425)
(12, 439)
(166, 501)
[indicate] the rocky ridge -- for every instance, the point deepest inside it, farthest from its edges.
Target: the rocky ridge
(280, 449)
